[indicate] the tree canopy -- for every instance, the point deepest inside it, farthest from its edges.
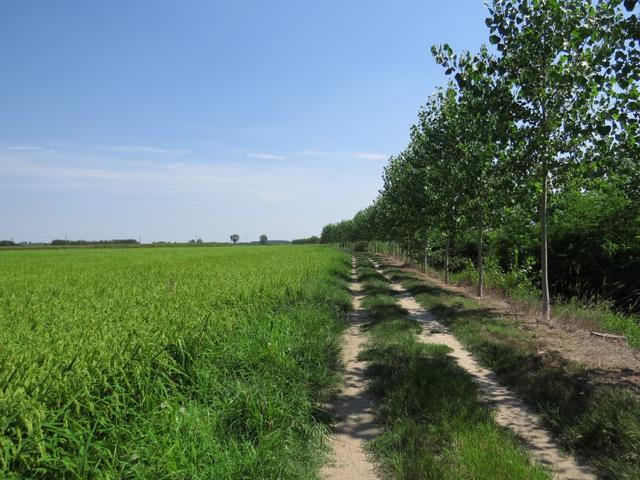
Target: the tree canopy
(532, 144)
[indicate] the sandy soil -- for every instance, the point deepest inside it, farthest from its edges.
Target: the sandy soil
(608, 361)
(352, 407)
(511, 412)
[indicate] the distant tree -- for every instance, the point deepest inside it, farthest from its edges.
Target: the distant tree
(199, 240)
(7, 243)
(234, 238)
(263, 239)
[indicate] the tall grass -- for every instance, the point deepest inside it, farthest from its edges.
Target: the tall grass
(178, 363)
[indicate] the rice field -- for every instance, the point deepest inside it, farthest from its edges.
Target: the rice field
(167, 363)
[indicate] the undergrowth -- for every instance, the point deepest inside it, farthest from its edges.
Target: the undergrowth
(595, 313)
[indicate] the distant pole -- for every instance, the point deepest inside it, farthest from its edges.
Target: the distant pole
(139, 238)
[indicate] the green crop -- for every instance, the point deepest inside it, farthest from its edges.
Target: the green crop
(167, 363)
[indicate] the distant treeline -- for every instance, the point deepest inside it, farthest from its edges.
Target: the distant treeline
(115, 241)
(300, 241)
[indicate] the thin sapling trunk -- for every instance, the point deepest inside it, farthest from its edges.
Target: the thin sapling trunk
(446, 263)
(480, 259)
(544, 259)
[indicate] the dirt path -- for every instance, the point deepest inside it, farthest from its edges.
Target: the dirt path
(511, 412)
(356, 423)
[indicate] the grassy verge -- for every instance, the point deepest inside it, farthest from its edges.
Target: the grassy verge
(600, 422)
(434, 425)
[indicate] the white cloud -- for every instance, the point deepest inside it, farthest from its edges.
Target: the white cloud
(185, 179)
(98, 193)
(315, 153)
(23, 148)
(266, 156)
(145, 150)
(370, 156)
(79, 147)
(353, 155)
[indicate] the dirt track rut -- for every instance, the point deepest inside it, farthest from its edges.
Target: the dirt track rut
(356, 424)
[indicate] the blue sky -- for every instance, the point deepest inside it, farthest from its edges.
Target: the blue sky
(171, 119)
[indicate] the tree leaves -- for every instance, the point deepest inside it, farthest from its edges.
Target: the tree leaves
(558, 103)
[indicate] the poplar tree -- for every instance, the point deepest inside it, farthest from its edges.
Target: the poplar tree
(544, 60)
(486, 110)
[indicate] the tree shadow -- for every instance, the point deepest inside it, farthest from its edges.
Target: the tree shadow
(365, 276)
(381, 312)
(341, 274)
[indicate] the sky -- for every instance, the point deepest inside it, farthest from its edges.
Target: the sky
(171, 120)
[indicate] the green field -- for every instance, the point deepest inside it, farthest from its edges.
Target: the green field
(167, 363)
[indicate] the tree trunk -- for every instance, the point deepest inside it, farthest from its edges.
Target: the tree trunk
(544, 260)
(408, 254)
(480, 258)
(426, 259)
(446, 263)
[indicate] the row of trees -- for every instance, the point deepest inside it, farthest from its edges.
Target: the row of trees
(549, 111)
(303, 241)
(115, 241)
